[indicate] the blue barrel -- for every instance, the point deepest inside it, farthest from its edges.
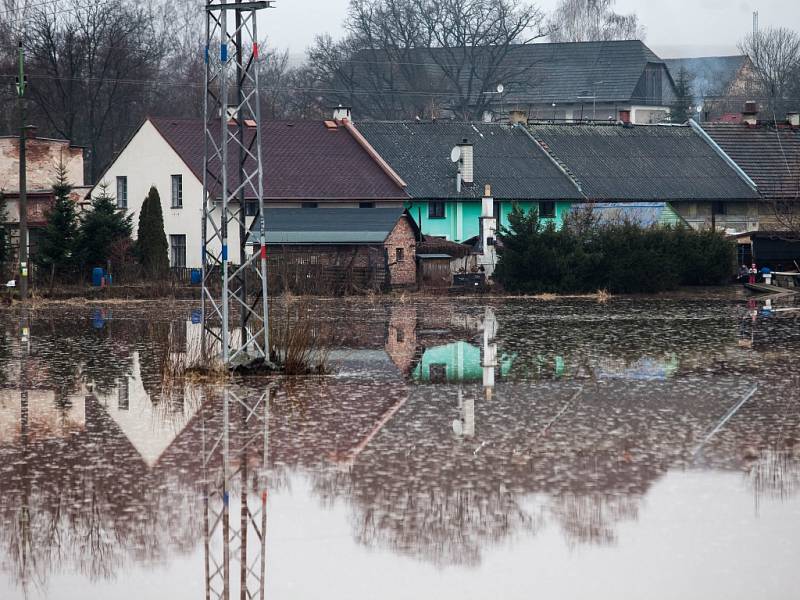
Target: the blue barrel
(196, 276)
(97, 276)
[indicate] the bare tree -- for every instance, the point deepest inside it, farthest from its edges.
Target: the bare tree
(414, 58)
(775, 54)
(592, 21)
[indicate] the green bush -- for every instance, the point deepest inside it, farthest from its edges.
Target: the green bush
(620, 258)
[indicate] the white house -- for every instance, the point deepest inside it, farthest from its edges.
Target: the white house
(307, 164)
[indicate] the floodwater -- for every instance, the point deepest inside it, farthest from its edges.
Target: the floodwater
(639, 448)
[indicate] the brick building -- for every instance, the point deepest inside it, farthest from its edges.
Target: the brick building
(43, 156)
(339, 249)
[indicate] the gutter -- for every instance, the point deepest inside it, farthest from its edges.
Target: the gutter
(362, 141)
(553, 160)
(722, 154)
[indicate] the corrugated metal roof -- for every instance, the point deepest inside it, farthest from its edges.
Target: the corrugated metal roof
(642, 162)
(504, 157)
(645, 214)
(769, 156)
(303, 160)
(329, 225)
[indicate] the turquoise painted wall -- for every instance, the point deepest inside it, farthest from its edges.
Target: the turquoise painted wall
(462, 218)
(461, 361)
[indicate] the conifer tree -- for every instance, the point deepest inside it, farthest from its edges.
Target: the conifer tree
(56, 248)
(100, 228)
(681, 109)
(151, 244)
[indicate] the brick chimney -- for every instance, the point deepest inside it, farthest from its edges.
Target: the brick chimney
(793, 119)
(750, 113)
(518, 116)
(466, 163)
(340, 113)
(625, 116)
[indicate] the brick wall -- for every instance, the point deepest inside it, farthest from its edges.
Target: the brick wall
(42, 156)
(401, 337)
(402, 272)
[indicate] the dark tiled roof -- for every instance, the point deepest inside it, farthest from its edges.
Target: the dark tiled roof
(769, 156)
(711, 75)
(545, 72)
(643, 162)
(330, 225)
(303, 160)
(505, 157)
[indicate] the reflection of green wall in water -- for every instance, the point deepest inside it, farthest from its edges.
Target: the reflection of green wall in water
(459, 361)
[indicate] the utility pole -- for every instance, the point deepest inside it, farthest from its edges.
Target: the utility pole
(233, 173)
(23, 183)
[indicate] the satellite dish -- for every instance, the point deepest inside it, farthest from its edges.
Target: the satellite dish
(455, 154)
(500, 88)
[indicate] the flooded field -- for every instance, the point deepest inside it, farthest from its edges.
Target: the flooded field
(458, 448)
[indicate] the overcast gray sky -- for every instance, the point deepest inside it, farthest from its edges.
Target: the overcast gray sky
(674, 27)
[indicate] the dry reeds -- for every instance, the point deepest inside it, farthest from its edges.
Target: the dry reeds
(297, 339)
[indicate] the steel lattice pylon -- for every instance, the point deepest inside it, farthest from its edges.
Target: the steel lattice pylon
(235, 455)
(232, 180)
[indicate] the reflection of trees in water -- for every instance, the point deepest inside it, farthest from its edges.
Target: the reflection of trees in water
(593, 518)
(774, 473)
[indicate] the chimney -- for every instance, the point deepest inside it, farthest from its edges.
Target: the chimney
(750, 113)
(341, 113)
(30, 131)
(466, 162)
(793, 119)
(518, 116)
(487, 202)
(625, 116)
(232, 113)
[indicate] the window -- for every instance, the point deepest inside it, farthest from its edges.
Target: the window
(547, 210)
(122, 192)
(177, 247)
(309, 205)
(398, 253)
(436, 210)
(366, 205)
(250, 208)
(177, 191)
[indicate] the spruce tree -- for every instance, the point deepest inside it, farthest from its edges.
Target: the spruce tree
(151, 244)
(56, 248)
(100, 228)
(681, 109)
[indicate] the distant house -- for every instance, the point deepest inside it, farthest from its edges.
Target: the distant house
(43, 156)
(307, 164)
(336, 248)
(720, 84)
(770, 155)
(677, 164)
(555, 81)
(445, 195)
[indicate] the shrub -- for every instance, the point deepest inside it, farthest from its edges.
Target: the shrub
(622, 257)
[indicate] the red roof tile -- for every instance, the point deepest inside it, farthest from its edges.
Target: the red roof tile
(303, 160)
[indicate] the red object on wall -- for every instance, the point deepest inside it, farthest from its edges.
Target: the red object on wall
(625, 116)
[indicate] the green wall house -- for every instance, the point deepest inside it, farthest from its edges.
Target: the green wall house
(447, 165)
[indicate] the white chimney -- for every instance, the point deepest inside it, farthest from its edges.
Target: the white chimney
(232, 112)
(340, 113)
(466, 162)
(488, 228)
(793, 118)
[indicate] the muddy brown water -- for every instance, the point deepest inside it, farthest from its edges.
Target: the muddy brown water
(639, 448)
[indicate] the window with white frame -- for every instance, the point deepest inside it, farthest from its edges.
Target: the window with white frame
(122, 191)
(177, 191)
(177, 250)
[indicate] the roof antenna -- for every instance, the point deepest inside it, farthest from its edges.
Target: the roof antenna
(755, 23)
